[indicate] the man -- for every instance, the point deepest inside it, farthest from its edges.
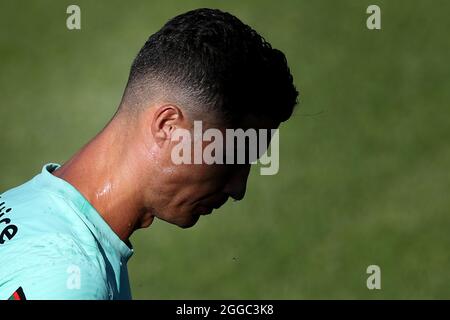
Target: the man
(64, 234)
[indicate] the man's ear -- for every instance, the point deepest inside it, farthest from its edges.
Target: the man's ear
(165, 120)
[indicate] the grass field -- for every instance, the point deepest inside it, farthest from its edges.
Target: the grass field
(364, 175)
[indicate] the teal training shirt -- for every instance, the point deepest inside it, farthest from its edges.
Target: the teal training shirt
(55, 245)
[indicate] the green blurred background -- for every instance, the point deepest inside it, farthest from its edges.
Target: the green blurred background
(364, 173)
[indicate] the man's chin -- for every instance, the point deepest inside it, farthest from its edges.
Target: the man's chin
(183, 222)
(189, 223)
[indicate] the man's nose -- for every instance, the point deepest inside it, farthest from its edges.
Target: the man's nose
(237, 184)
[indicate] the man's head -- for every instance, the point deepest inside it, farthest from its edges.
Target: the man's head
(203, 65)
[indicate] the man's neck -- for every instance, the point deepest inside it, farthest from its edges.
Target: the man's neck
(101, 172)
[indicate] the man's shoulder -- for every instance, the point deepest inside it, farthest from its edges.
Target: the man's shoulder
(46, 249)
(28, 211)
(53, 266)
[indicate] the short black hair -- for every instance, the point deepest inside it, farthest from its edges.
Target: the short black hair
(217, 65)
